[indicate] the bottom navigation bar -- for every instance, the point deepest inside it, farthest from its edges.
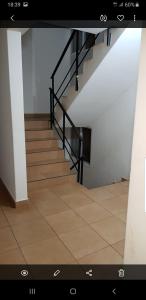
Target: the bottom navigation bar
(73, 272)
(72, 289)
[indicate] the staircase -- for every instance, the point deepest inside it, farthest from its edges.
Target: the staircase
(46, 164)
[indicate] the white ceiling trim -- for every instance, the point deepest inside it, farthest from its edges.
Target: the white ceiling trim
(91, 30)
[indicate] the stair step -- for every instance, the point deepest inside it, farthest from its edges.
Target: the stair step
(37, 116)
(39, 150)
(47, 171)
(57, 154)
(46, 183)
(45, 162)
(41, 124)
(35, 145)
(40, 139)
(39, 134)
(36, 129)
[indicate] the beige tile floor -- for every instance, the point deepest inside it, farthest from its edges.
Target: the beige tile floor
(66, 224)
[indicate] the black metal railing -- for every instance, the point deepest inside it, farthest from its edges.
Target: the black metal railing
(80, 53)
(76, 158)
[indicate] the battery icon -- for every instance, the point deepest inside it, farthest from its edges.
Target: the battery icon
(25, 4)
(137, 4)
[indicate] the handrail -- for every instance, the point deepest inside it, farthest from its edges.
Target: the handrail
(66, 114)
(87, 51)
(75, 70)
(74, 163)
(78, 164)
(63, 53)
(74, 62)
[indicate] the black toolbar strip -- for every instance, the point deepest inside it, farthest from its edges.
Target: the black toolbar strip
(15, 23)
(73, 272)
(39, 10)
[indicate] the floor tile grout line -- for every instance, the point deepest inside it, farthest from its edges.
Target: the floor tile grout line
(112, 194)
(82, 226)
(91, 229)
(112, 214)
(108, 217)
(95, 202)
(96, 252)
(59, 238)
(11, 228)
(89, 224)
(100, 236)
(43, 217)
(7, 225)
(117, 250)
(15, 238)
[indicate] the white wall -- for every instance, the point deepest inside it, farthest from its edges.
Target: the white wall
(6, 135)
(42, 48)
(12, 145)
(112, 76)
(135, 243)
(27, 71)
(111, 142)
(106, 104)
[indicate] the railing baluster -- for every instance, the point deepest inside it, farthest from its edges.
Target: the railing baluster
(81, 157)
(63, 53)
(108, 37)
(51, 114)
(77, 60)
(81, 177)
(63, 130)
(52, 100)
(79, 162)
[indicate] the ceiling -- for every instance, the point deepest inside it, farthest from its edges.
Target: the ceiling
(113, 76)
(22, 30)
(91, 30)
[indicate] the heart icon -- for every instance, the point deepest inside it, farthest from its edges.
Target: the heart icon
(120, 17)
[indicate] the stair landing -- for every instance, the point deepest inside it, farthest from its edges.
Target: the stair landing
(65, 224)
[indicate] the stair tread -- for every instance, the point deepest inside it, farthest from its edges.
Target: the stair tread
(70, 173)
(34, 116)
(42, 150)
(37, 129)
(37, 119)
(46, 162)
(42, 129)
(45, 150)
(41, 139)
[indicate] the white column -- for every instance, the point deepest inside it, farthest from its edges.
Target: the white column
(17, 112)
(135, 244)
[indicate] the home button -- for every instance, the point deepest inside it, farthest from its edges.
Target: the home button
(73, 291)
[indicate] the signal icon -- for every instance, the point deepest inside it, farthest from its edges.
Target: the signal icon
(121, 4)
